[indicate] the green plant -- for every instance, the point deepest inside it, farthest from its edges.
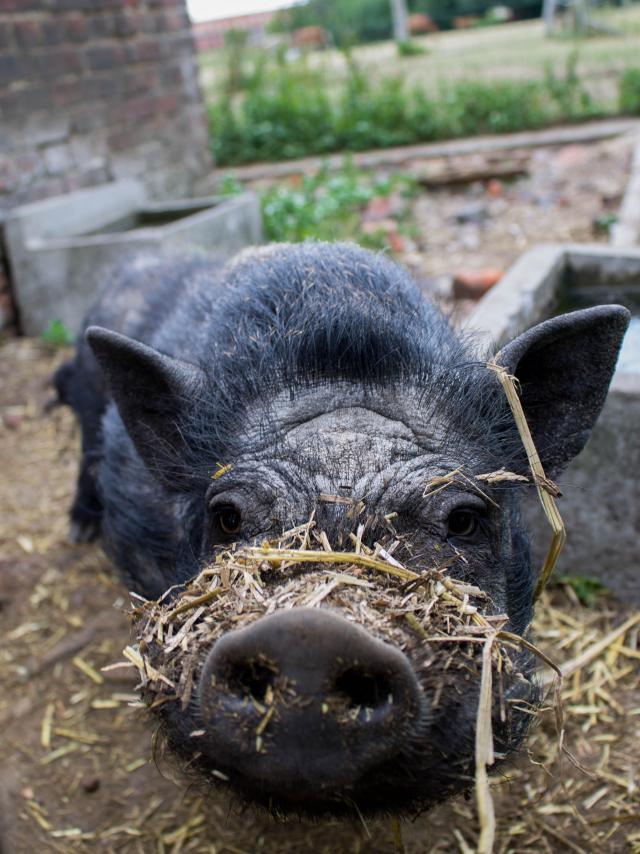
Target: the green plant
(410, 48)
(604, 223)
(588, 590)
(235, 44)
(229, 186)
(286, 113)
(629, 88)
(567, 91)
(326, 206)
(57, 334)
(287, 110)
(372, 116)
(470, 107)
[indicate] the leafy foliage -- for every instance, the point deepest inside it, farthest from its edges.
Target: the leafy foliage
(630, 91)
(324, 206)
(347, 21)
(287, 112)
(57, 334)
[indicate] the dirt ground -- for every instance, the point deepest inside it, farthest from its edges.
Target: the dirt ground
(563, 196)
(76, 766)
(567, 193)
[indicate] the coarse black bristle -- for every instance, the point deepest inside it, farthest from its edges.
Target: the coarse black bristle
(317, 313)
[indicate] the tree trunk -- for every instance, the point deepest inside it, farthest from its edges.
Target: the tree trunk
(400, 20)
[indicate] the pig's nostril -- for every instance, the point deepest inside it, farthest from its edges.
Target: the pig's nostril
(302, 701)
(249, 678)
(364, 689)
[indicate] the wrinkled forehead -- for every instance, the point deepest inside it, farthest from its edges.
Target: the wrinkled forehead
(320, 411)
(350, 432)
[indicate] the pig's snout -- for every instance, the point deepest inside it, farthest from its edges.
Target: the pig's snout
(304, 703)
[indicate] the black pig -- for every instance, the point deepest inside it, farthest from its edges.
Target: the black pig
(308, 370)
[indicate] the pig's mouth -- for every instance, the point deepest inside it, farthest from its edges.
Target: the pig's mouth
(360, 694)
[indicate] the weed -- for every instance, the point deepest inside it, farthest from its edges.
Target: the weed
(57, 334)
(630, 91)
(327, 206)
(409, 47)
(286, 111)
(588, 590)
(567, 92)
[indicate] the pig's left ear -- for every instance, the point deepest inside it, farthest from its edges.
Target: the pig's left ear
(153, 392)
(564, 367)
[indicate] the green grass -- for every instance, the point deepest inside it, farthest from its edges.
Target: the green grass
(488, 80)
(630, 91)
(516, 51)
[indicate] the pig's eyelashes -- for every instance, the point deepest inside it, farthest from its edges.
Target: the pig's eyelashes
(463, 523)
(226, 521)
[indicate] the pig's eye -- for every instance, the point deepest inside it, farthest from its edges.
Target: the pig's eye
(462, 523)
(227, 520)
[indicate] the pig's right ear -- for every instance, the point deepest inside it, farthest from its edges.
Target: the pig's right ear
(564, 367)
(153, 393)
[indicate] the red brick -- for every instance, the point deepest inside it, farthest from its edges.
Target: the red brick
(148, 50)
(25, 100)
(126, 24)
(28, 33)
(6, 30)
(175, 20)
(167, 104)
(76, 27)
(141, 79)
(65, 92)
(105, 57)
(13, 68)
(101, 26)
(472, 284)
(101, 87)
(21, 5)
(135, 109)
(171, 76)
(54, 31)
(61, 60)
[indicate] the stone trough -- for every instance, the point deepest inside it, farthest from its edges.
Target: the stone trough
(601, 488)
(58, 249)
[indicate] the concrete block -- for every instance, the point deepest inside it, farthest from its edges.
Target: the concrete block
(626, 232)
(60, 248)
(58, 159)
(601, 488)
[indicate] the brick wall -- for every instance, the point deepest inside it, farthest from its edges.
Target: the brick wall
(93, 90)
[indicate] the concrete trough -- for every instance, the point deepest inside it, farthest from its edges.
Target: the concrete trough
(601, 488)
(58, 249)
